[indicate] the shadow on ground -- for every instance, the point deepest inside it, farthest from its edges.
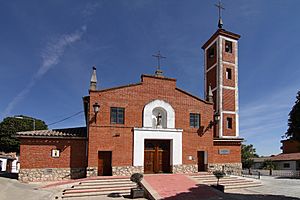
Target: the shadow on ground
(202, 192)
(287, 177)
(9, 175)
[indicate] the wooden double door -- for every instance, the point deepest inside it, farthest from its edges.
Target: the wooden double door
(157, 156)
(104, 163)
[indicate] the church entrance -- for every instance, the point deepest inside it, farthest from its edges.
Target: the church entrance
(157, 156)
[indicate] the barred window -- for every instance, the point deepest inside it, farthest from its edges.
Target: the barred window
(117, 115)
(194, 120)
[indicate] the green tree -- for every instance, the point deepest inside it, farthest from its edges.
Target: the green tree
(10, 125)
(293, 131)
(268, 164)
(248, 153)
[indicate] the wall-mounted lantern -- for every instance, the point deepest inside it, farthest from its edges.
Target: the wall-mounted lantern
(96, 107)
(217, 118)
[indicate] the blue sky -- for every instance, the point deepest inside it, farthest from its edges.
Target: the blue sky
(48, 48)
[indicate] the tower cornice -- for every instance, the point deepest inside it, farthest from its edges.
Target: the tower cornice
(222, 32)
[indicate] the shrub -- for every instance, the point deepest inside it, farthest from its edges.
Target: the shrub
(219, 174)
(136, 177)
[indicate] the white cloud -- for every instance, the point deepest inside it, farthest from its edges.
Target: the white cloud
(90, 9)
(270, 113)
(54, 50)
(51, 56)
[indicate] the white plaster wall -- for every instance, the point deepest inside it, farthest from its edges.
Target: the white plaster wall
(15, 167)
(147, 114)
(3, 166)
(174, 135)
(293, 165)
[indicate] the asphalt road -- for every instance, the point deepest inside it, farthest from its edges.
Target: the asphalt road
(11, 189)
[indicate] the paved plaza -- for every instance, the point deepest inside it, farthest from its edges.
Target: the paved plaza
(276, 186)
(181, 188)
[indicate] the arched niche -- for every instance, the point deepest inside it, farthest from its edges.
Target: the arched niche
(151, 111)
(159, 118)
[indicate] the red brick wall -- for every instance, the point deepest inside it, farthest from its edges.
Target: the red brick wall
(36, 153)
(210, 61)
(211, 78)
(133, 99)
(229, 57)
(289, 146)
(228, 100)
(229, 82)
(233, 157)
(228, 131)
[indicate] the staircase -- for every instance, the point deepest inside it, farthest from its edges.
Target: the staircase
(230, 182)
(100, 186)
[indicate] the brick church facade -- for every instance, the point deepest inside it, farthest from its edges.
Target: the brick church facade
(148, 127)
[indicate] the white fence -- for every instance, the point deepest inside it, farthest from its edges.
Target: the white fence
(282, 173)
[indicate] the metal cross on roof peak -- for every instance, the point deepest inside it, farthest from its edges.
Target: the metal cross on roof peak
(159, 57)
(220, 8)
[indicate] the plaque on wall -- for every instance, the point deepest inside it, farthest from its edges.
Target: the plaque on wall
(224, 151)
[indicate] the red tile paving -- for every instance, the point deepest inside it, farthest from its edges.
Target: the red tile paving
(179, 187)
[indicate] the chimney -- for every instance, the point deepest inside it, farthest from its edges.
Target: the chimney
(210, 95)
(93, 84)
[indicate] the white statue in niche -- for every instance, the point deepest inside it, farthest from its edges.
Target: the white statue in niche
(159, 118)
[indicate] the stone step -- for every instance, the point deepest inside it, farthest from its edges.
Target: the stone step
(228, 187)
(200, 174)
(74, 191)
(97, 186)
(106, 180)
(236, 183)
(90, 194)
(228, 181)
(212, 177)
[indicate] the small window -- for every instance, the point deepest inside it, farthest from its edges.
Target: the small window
(194, 120)
(55, 153)
(229, 122)
(211, 52)
(228, 73)
(228, 46)
(286, 165)
(117, 115)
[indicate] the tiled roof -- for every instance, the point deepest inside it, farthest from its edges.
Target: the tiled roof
(68, 132)
(261, 159)
(286, 156)
(279, 157)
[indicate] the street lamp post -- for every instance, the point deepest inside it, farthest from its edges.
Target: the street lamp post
(33, 120)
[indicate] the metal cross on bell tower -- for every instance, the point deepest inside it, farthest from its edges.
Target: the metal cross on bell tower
(220, 7)
(158, 71)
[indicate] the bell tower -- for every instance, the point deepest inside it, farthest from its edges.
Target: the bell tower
(221, 75)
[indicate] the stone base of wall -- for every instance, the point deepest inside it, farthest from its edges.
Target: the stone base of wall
(178, 169)
(228, 168)
(91, 171)
(127, 170)
(50, 174)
